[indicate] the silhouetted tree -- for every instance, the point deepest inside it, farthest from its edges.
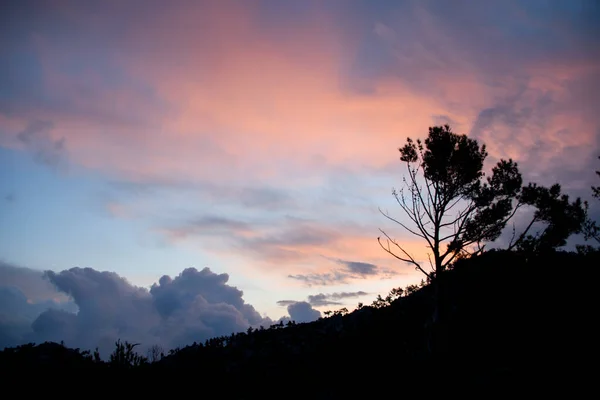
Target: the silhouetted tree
(156, 353)
(410, 289)
(596, 189)
(341, 311)
(446, 200)
(562, 218)
(591, 229)
(124, 355)
(455, 211)
(394, 294)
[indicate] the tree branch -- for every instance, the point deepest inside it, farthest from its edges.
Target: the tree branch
(522, 236)
(402, 225)
(408, 259)
(413, 174)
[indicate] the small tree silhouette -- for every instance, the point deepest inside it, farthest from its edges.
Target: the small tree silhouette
(124, 356)
(394, 294)
(155, 353)
(341, 311)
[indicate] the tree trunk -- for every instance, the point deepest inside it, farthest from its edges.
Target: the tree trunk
(436, 335)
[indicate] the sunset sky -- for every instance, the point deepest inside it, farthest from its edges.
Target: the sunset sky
(259, 138)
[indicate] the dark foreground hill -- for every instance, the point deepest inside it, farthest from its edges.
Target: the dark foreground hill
(508, 321)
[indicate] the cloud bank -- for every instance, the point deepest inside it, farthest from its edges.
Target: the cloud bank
(103, 307)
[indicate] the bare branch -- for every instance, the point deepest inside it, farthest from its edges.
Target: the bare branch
(461, 214)
(430, 197)
(448, 208)
(406, 258)
(402, 202)
(459, 228)
(401, 224)
(413, 175)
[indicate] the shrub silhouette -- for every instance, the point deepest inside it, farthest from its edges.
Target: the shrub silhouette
(124, 356)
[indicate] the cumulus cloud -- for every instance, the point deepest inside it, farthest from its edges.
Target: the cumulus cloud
(303, 312)
(193, 306)
(322, 299)
(24, 296)
(359, 268)
(30, 282)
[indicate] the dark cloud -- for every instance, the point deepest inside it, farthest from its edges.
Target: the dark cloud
(420, 40)
(193, 306)
(346, 295)
(30, 282)
(37, 139)
(324, 279)
(321, 299)
(24, 296)
(352, 270)
(439, 120)
(10, 198)
(13, 302)
(303, 312)
(359, 268)
(286, 303)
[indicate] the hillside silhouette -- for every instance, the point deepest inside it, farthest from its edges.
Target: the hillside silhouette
(510, 319)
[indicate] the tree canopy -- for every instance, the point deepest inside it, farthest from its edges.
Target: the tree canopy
(596, 189)
(446, 199)
(562, 218)
(591, 228)
(456, 209)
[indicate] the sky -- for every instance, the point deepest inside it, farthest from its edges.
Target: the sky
(188, 168)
